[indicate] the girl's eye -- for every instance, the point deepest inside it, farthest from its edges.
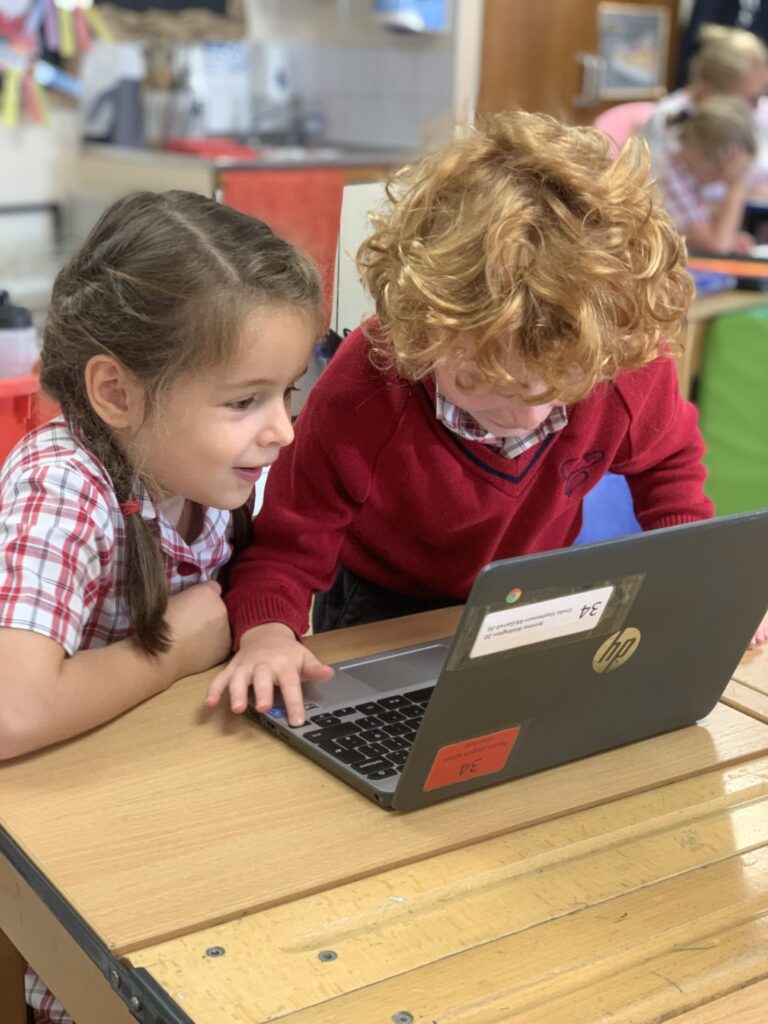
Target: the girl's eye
(241, 404)
(290, 391)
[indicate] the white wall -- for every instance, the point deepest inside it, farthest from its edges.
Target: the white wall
(37, 161)
(374, 87)
(325, 23)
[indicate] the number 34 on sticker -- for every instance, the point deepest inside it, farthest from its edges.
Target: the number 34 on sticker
(470, 759)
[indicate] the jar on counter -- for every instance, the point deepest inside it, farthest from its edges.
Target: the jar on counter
(18, 339)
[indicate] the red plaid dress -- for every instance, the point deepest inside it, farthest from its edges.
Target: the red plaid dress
(62, 563)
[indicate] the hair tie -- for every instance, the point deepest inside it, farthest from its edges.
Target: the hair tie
(130, 508)
(678, 118)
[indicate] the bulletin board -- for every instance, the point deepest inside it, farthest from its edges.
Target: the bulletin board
(174, 20)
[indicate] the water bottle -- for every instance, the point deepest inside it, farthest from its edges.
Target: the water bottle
(18, 339)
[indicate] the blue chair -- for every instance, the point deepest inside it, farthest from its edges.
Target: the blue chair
(608, 511)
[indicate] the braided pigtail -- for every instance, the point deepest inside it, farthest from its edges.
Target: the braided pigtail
(163, 285)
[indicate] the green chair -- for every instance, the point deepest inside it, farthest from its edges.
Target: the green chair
(733, 407)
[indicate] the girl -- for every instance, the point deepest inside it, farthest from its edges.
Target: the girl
(173, 342)
(717, 145)
(729, 61)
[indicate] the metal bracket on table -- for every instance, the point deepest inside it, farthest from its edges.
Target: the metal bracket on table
(145, 998)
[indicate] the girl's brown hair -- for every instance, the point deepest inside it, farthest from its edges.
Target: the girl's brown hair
(164, 284)
(525, 235)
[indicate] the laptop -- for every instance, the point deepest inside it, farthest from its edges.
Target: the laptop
(557, 656)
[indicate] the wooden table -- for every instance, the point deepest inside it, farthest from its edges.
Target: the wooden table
(188, 864)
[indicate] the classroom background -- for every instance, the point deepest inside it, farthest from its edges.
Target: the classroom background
(281, 108)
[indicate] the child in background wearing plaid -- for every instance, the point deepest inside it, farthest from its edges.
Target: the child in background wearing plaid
(717, 144)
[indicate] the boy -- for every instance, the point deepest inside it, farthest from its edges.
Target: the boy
(526, 286)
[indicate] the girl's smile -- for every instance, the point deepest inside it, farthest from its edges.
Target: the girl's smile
(251, 475)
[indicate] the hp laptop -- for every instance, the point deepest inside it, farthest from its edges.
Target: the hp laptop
(557, 656)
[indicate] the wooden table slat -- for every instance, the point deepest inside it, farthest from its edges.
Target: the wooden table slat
(402, 920)
(746, 1005)
(747, 699)
(629, 959)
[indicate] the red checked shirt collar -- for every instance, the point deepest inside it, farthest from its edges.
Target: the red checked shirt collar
(462, 423)
(63, 540)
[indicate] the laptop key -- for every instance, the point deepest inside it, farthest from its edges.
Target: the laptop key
(369, 722)
(373, 750)
(388, 717)
(398, 757)
(382, 773)
(419, 695)
(325, 719)
(333, 732)
(399, 729)
(394, 702)
(374, 735)
(341, 753)
(351, 742)
(396, 743)
(372, 764)
(344, 712)
(369, 707)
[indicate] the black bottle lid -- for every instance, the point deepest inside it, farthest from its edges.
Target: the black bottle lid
(12, 317)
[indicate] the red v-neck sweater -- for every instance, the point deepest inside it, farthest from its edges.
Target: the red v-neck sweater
(375, 482)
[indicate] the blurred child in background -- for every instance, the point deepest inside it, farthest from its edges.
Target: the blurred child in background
(729, 61)
(716, 145)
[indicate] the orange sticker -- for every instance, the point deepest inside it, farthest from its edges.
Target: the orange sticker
(461, 762)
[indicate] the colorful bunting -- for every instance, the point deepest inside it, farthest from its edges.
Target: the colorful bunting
(66, 27)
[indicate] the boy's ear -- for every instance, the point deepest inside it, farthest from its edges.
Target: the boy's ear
(115, 394)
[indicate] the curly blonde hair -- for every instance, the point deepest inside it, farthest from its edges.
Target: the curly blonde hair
(524, 235)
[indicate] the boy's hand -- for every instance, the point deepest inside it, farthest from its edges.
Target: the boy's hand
(200, 635)
(269, 655)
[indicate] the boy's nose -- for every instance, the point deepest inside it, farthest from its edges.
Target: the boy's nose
(520, 416)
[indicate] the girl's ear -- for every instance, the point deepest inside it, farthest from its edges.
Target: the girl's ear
(115, 394)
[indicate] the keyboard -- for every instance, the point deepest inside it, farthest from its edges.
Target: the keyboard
(373, 737)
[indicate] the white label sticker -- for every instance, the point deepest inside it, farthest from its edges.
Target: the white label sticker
(544, 620)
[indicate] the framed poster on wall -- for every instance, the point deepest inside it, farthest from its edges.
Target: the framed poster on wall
(632, 44)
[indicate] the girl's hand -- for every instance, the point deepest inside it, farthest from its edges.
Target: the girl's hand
(744, 243)
(269, 656)
(200, 635)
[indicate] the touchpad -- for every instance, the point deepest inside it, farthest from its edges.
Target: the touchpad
(395, 671)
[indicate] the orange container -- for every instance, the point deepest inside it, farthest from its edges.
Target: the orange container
(22, 408)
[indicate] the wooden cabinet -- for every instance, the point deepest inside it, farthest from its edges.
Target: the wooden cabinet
(533, 55)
